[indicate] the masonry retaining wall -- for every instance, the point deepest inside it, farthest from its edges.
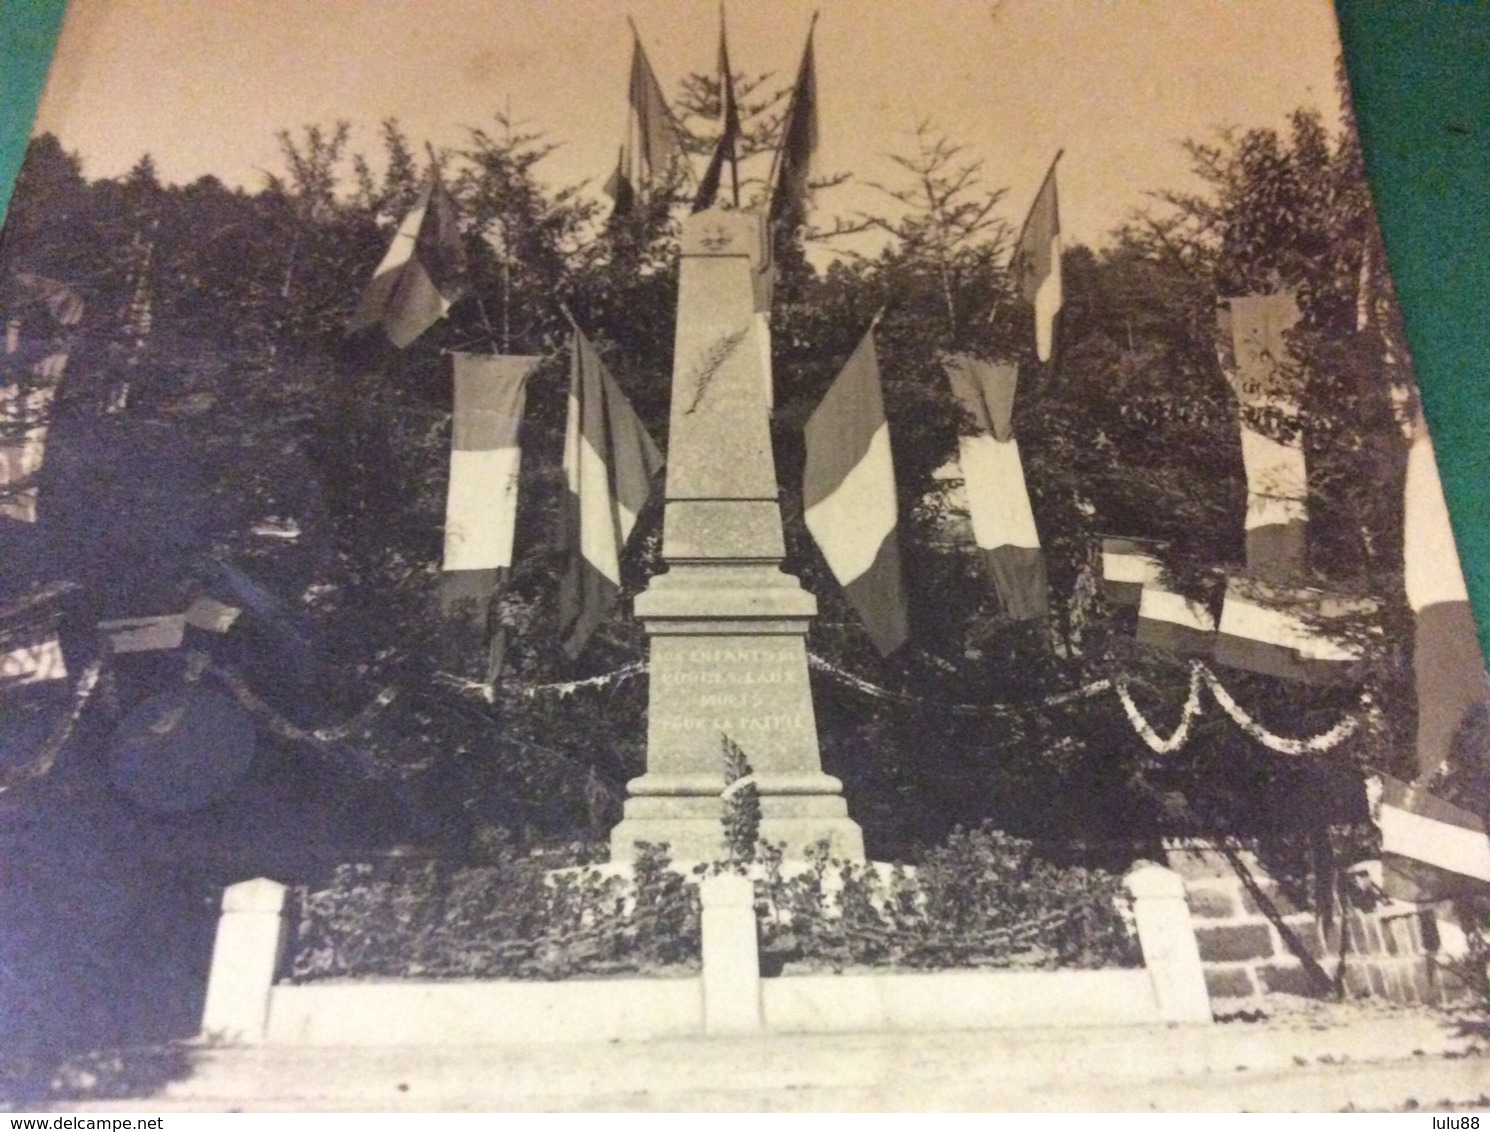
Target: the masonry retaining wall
(1253, 937)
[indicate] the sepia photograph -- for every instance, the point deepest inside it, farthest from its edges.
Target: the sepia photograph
(667, 556)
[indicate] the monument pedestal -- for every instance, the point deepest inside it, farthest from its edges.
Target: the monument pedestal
(726, 625)
(729, 659)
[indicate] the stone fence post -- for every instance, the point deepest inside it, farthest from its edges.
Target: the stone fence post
(731, 956)
(1170, 953)
(245, 956)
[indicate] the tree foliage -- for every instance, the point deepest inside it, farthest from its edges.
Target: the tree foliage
(268, 413)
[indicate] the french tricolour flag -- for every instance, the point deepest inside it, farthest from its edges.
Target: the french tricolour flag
(849, 494)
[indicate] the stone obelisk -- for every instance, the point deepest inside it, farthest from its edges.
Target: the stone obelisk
(726, 625)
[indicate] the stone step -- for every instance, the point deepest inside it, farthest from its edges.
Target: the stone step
(1439, 1085)
(1222, 1068)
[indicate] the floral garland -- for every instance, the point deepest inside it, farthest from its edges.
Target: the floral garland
(1156, 742)
(63, 730)
(569, 687)
(1200, 674)
(276, 722)
(1317, 744)
(879, 693)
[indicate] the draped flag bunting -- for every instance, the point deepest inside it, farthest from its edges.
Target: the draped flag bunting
(1266, 626)
(422, 275)
(1447, 664)
(651, 143)
(30, 653)
(25, 402)
(1292, 632)
(1133, 575)
(167, 631)
(145, 634)
(1128, 566)
(139, 318)
(61, 302)
(1038, 260)
(30, 648)
(610, 462)
(1171, 621)
(1267, 381)
(485, 459)
(729, 137)
(998, 500)
(1430, 849)
(798, 145)
(211, 615)
(24, 414)
(848, 491)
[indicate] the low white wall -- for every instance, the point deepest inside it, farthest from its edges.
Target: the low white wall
(484, 1013)
(952, 1000)
(250, 941)
(245, 1005)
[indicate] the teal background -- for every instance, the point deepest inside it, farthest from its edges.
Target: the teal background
(28, 32)
(1420, 80)
(1420, 74)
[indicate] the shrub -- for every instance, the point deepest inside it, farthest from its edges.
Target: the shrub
(508, 919)
(983, 899)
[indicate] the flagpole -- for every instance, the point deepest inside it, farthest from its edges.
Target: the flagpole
(728, 84)
(506, 302)
(491, 334)
(507, 260)
(626, 158)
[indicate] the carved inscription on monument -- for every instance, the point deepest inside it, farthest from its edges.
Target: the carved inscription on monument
(726, 625)
(753, 689)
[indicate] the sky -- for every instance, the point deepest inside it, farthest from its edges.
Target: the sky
(204, 86)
